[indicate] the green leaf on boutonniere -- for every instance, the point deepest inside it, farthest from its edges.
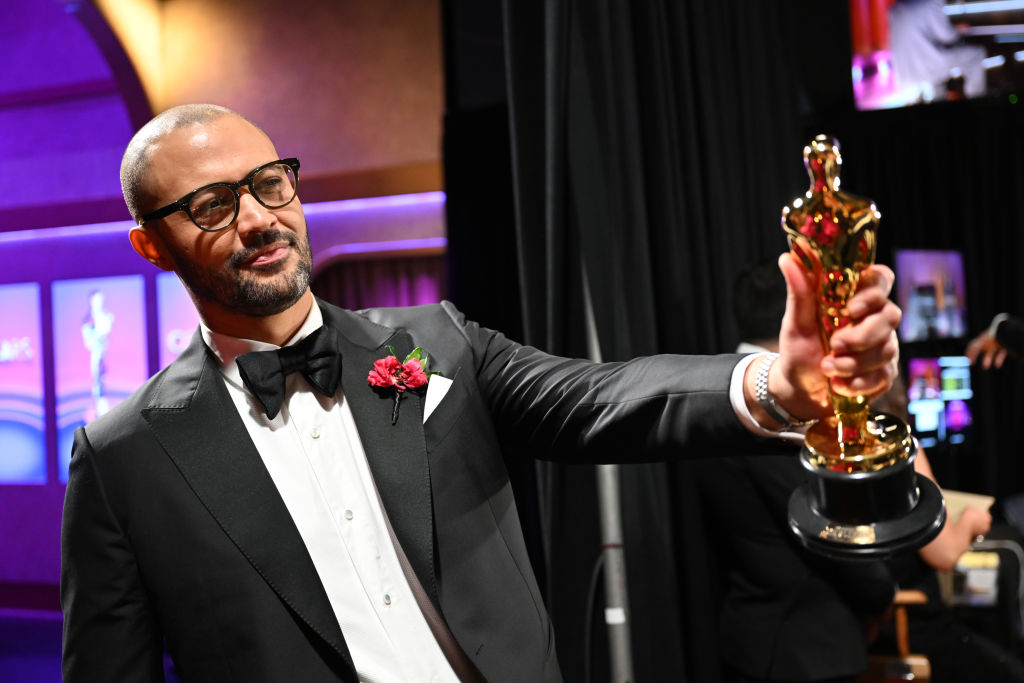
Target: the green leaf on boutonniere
(422, 356)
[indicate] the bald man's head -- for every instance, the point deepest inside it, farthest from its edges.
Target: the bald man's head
(136, 159)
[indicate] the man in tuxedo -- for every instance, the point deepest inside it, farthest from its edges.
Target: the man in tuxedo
(266, 513)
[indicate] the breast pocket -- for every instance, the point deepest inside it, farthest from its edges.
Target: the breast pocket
(449, 410)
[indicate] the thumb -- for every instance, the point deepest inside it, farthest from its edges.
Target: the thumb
(801, 297)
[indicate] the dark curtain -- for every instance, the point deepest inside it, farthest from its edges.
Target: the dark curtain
(951, 176)
(391, 281)
(654, 145)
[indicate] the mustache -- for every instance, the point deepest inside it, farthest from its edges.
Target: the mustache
(259, 241)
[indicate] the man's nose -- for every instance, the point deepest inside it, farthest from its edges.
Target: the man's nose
(252, 215)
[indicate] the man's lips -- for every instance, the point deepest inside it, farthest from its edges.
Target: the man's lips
(265, 256)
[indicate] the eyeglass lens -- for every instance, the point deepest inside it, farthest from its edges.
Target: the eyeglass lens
(214, 207)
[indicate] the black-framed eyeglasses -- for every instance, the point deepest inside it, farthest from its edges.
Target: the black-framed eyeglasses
(214, 207)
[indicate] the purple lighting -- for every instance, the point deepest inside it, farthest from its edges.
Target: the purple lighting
(23, 236)
(390, 246)
(376, 203)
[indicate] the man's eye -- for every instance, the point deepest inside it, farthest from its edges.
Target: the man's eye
(209, 205)
(271, 184)
(212, 205)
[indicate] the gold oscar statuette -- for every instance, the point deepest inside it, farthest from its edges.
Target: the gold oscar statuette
(862, 497)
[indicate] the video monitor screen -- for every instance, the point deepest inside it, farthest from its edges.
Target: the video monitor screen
(100, 350)
(938, 399)
(909, 52)
(930, 290)
(177, 317)
(22, 416)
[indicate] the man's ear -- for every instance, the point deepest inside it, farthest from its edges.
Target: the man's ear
(149, 246)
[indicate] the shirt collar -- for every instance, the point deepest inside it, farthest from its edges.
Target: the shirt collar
(227, 348)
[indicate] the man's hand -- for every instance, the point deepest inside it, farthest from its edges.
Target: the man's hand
(986, 346)
(975, 523)
(864, 355)
(956, 538)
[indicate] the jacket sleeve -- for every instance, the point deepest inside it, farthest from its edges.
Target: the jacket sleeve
(644, 410)
(110, 629)
(1010, 334)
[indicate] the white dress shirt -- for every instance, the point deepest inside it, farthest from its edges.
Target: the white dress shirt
(314, 455)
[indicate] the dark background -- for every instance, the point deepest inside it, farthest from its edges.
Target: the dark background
(658, 141)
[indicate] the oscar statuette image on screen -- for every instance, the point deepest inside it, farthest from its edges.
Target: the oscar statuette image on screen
(100, 350)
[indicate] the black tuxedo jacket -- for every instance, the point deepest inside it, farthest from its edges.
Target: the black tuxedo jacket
(1010, 333)
(173, 531)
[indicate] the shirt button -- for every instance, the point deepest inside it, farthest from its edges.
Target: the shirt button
(387, 599)
(315, 433)
(348, 514)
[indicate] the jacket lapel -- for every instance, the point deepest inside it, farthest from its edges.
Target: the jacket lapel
(200, 429)
(396, 452)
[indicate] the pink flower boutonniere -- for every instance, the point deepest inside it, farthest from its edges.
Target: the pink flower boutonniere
(391, 374)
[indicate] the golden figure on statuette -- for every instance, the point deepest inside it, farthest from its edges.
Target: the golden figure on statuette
(862, 497)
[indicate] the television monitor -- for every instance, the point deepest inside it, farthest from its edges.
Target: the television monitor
(930, 289)
(100, 350)
(909, 52)
(938, 399)
(22, 408)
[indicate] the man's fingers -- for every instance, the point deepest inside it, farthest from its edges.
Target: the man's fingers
(869, 384)
(871, 358)
(877, 275)
(872, 292)
(868, 332)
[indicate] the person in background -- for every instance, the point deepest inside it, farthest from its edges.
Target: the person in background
(929, 53)
(956, 651)
(787, 614)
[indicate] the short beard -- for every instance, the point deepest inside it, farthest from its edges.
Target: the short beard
(233, 289)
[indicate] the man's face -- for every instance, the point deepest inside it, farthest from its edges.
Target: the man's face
(258, 266)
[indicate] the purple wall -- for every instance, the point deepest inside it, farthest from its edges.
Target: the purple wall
(63, 122)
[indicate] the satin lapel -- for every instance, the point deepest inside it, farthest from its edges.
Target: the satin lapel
(200, 429)
(397, 452)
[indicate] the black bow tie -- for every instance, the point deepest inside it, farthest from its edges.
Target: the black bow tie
(316, 357)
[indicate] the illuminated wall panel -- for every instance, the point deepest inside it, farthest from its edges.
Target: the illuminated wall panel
(22, 415)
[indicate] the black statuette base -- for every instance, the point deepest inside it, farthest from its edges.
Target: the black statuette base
(866, 515)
